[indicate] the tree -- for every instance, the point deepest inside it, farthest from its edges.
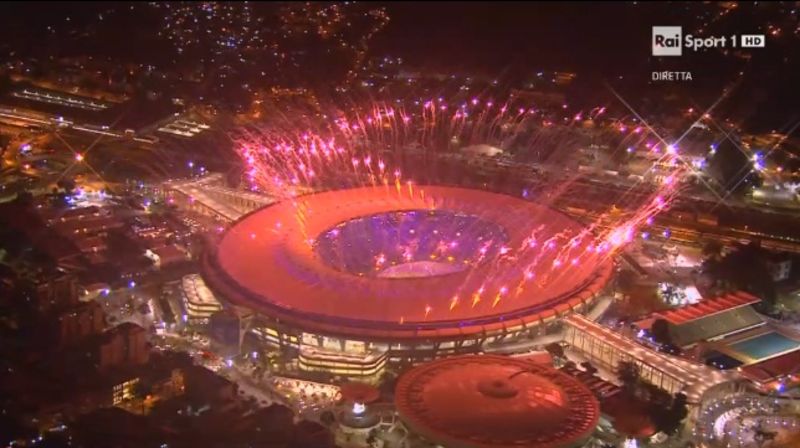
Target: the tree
(24, 197)
(679, 409)
(626, 280)
(746, 268)
(660, 332)
(630, 375)
(387, 384)
(125, 248)
(669, 419)
(372, 438)
(66, 184)
(142, 389)
(732, 168)
(4, 141)
(712, 249)
(555, 349)
(762, 436)
(680, 400)
(589, 367)
(712, 267)
(327, 418)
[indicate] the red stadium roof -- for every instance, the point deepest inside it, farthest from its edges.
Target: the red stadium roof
(266, 261)
(491, 401)
(708, 307)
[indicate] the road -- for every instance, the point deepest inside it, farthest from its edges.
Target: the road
(22, 119)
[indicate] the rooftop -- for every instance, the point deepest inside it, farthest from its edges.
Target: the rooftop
(304, 289)
(774, 368)
(708, 319)
(491, 401)
(721, 324)
(709, 307)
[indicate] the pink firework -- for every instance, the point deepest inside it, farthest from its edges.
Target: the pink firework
(370, 147)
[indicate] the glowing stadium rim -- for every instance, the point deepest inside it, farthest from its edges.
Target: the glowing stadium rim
(266, 262)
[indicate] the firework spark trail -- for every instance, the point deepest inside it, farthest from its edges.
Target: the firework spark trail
(285, 160)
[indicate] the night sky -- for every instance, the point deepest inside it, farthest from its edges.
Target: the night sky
(497, 35)
(605, 43)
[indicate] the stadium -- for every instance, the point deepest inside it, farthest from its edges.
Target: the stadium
(358, 278)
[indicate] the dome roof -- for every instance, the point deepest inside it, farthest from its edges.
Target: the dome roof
(496, 401)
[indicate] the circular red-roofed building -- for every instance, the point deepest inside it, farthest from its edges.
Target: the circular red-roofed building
(496, 402)
(357, 278)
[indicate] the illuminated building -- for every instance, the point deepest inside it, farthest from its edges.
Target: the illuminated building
(198, 300)
(712, 319)
(166, 255)
(342, 363)
(441, 273)
(124, 391)
(780, 267)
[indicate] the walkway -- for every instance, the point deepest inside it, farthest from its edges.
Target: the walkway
(209, 195)
(608, 348)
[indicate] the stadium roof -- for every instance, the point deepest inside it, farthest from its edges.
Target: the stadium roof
(708, 319)
(265, 262)
(773, 368)
(708, 307)
(491, 401)
(714, 326)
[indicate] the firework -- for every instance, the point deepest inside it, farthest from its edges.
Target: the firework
(364, 148)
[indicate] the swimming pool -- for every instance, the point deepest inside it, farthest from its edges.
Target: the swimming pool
(765, 345)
